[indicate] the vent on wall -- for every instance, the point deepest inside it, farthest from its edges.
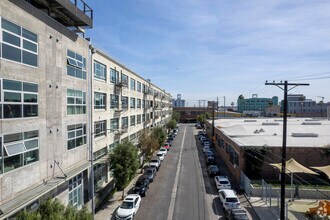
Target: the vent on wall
(250, 120)
(311, 123)
(270, 123)
(304, 135)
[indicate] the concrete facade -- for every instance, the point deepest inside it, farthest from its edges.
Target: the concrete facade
(47, 111)
(255, 103)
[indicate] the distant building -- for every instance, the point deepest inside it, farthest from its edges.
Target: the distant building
(255, 103)
(298, 105)
(178, 102)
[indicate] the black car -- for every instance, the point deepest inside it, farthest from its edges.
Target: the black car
(213, 170)
(150, 173)
(237, 214)
(141, 186)
(210, 160)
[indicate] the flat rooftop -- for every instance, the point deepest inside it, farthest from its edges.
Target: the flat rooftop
(301, 132)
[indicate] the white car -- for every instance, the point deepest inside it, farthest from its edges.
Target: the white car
(155, 162)
(129, 207)
(229, 199)
(160, 155)
(206, 148)
(222, 182)
(163, 150)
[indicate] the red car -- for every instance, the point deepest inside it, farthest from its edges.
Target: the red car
(167, 147)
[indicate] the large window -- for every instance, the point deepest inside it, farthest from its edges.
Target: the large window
(114, 101)
(138, 103)
(132, 84)
(20, 99)
(138, 119)
(76, 135)
(124, 79)
(114, 124)
(76, 191)
(132, 102)
(76, 102)
(100, 128)
(76, 65)
(19, 149)
(18, 44)
(99, 100)
(124, 102)
(138, 86)
(114, 76)
(132, 120)
(100, 71)
(124, 122)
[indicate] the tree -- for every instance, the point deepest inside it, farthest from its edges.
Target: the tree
(148, 143)
(54, 209)
(201, 119)
(175, 116)
(240, 97)
(171, 124)
(124, 162)
(160, 135)
(207, 115)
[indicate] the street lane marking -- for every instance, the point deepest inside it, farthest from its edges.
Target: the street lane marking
(176, 181)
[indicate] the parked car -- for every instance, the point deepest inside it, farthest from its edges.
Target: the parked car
(129, 207)
(168, 143)
(206, 148)
(222, 182)
(155, 162)
(209, 153)
(210, 160)
(167, 147)
(206, 143)
(150, 173)
(141, 186)
(237, 214)
(229, 199)
(160, 155)
(213, 170)
(163, 150)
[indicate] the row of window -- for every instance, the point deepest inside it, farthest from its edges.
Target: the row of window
(233, 155)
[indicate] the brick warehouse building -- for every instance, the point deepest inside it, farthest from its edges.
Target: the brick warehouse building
(308, 142)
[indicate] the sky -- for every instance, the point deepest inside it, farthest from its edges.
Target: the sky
(204, 49)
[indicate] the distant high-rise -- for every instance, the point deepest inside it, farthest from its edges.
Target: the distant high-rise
(178, 102)
(255, 103)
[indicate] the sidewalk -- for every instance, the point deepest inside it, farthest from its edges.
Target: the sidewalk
(296, 209)
(108, 210)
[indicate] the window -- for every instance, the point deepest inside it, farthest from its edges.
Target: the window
(124, 102)
(138, 85)
(76, 135)
(19, 149)
(114, 101)
(132, 102)
(100, 153)
(20, 99)
(138, 119)
(114, 76)
(132, 84)
(143, 103)
(100, 71)
(132, 119)
(100, 128)
(18, 44)
(124, 79)
(76, 102)
(114, 124)
(113, 145)
(124, 122)
(76, 191)
(143, 117)
(138, 103)
(76, 65)
(99, 100)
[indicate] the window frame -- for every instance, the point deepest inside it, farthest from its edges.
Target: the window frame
(100, 74)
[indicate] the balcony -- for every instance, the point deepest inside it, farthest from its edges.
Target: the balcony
(70, 13)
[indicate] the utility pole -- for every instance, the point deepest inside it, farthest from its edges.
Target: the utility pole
(213, 106)
(285, 116)
(224, 106)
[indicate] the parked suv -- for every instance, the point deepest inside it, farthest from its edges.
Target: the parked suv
(150, 173)
(229, 199)
(141, 186)
(155, 162)
(222, 182)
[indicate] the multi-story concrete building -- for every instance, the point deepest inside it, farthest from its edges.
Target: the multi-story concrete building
(298, 105)
(124, 105)
(54, 106)
(255, 103)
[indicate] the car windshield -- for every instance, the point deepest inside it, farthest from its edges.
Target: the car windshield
(126, 205)
(159, 154)
(214, 168)
(231, 200)
(224, 182)
(149, 172)
(154, 161)
(139, 183)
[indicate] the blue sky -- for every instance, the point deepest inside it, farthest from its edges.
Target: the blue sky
(208, 48)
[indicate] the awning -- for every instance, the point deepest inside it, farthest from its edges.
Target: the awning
(19, 202)
(324, 169)
(293, 166)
